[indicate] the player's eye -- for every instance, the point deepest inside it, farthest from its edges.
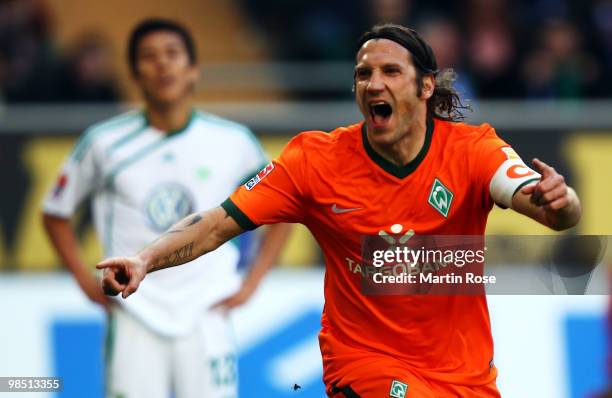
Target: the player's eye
(361, 74)
(173, 53)
(147, 56)
(392, 70)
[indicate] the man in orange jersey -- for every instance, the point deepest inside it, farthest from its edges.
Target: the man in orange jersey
(407, 168)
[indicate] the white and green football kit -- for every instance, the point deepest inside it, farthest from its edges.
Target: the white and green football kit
(142, 181)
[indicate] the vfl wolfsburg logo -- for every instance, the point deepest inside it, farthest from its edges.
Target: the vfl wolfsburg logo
(440, 197)
(168, 204)
(398, 389)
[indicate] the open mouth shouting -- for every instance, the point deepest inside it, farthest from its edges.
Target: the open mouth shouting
(380, 113)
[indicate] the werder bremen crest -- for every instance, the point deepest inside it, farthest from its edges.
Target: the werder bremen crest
(440, 197)
(398, 389)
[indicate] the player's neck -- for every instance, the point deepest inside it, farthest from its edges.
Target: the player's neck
(406, 148)
(169, 118)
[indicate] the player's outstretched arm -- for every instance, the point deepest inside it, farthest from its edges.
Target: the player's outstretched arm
(185, 241)
(550, 202)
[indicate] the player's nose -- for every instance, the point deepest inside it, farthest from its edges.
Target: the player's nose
(162, 63)
(376, 83)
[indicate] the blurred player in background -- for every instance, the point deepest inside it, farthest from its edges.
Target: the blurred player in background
(147, 170)
(409, 167)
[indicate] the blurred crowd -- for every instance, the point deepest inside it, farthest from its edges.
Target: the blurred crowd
(33, 68)
(536, 49)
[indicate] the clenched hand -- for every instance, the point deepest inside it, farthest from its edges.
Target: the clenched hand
(122, 275)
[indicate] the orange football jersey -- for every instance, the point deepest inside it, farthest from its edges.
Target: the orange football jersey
(341, 189)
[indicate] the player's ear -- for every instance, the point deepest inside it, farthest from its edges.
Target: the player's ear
(193, 76)
(429, 85)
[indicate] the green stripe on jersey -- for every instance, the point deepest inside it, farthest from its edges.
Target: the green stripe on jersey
(92, 132)
(127, 138)
(110, 180)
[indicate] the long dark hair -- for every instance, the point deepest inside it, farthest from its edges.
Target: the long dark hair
(445, 103)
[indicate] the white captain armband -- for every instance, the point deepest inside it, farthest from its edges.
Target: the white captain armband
(511, 176)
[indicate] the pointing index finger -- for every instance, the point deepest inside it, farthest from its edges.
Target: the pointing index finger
(542, 167)
(110, 263)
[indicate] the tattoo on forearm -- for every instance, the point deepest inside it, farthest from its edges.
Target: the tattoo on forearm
(192, 221)
(180, 255)
(196, 219)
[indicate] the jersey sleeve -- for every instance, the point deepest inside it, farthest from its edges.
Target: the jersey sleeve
(76, 180)
(275, 194)
(500, 170)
